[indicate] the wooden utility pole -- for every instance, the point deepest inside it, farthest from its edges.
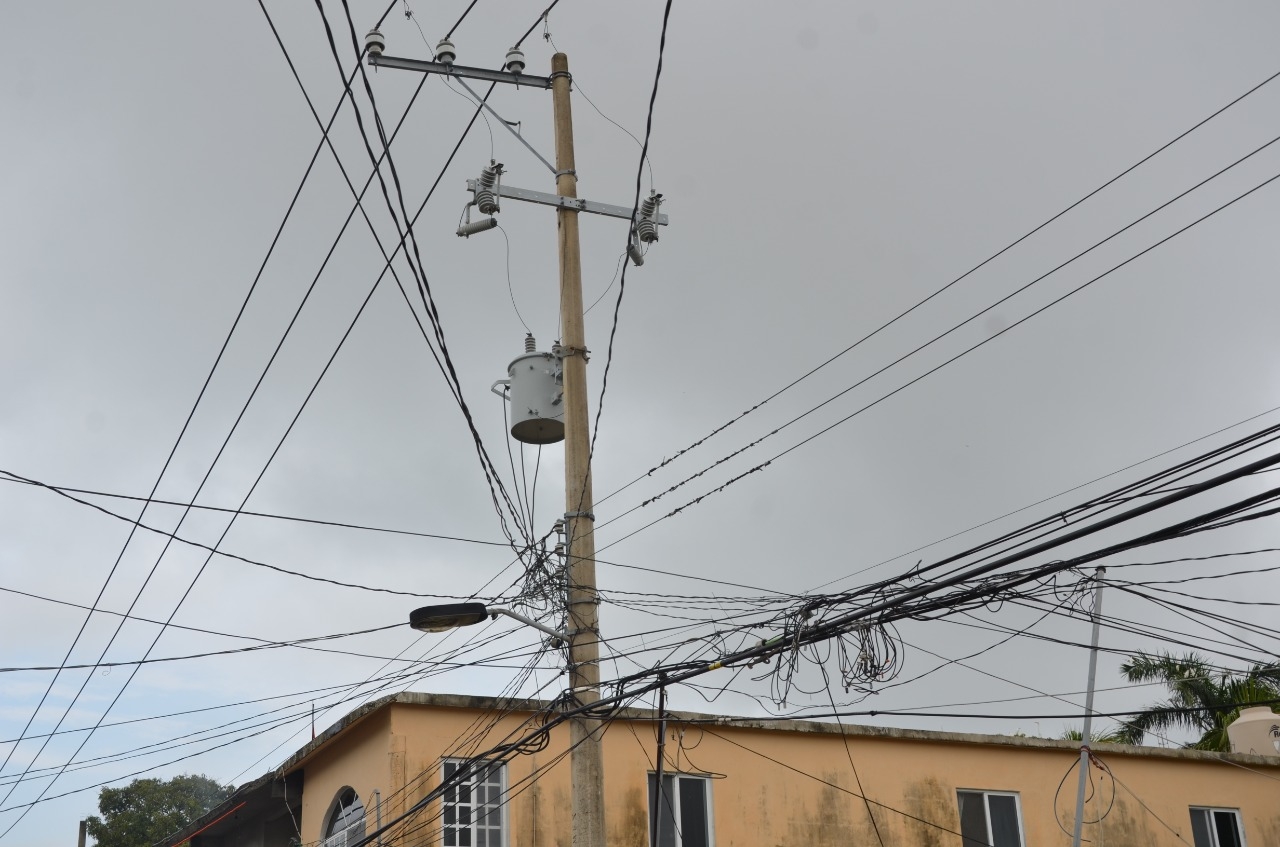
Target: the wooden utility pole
(586, 765)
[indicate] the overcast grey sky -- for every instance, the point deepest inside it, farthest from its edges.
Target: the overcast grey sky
(826, 165)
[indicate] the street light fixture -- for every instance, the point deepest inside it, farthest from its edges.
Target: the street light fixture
(454, 615)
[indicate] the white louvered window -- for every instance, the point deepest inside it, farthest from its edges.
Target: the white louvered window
(346, 820)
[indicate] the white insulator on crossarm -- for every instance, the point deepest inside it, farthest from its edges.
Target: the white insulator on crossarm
(515, 61)
(446, 52)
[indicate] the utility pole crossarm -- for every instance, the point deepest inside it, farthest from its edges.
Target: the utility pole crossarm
(561, 201)
(381, 61)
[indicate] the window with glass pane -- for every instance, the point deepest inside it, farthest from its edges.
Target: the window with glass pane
(1216, 827)
(473, 806)
(683, 811)
(990, 819)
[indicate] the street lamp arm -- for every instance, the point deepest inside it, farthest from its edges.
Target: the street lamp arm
(494, 611)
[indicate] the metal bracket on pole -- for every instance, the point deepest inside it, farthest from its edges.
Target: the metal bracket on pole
(562, 202)
(558, 636)
(507, 124)
(458, 71)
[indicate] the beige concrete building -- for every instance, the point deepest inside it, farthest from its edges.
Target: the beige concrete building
(735, 783)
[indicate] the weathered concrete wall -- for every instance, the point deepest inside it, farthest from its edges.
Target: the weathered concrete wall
(774, 786)
(357, 758)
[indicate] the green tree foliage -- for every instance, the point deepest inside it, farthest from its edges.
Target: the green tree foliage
(1194, 685)
(1112, 736)
(146, 810)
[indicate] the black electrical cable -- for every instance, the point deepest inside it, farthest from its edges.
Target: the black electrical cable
(1201, 559)
(66, 491)
(12, 477)
(212, 549)
(958, 279)
(145, 770)
(182, 432)
(323, 372)
(185, 712)
(1044, 500)
(1148, 486)
(984, 716)
(763, 465)
(610, 702)
(836, 786)
(635, 210)
(458, 23)
(540, 19)
(275, 452)
(263, 644)
(418, 268)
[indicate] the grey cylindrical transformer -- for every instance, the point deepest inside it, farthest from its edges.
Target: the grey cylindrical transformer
(537, 399)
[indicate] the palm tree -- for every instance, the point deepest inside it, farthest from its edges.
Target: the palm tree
(1201, 699)
(1111, 736)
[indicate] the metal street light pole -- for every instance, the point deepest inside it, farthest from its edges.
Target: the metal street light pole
(1088, 709)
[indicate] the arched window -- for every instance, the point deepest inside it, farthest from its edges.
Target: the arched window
(345, 823)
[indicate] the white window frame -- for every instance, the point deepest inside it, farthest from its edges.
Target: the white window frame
(1017, 804)
(1213, 832)
(675, 806)
(504, 828)
(341, 837)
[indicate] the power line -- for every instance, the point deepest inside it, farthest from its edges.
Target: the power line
(204, 481)
(953, 282)
(213, 549)
(663, 676)
(258, 732)
(265, 642)
(1044, 500)
(67, 491)
(418, 269)
(1059, 522)
(635, 210)
(155, 487)
(244, 513)
(182, 432)
(763, 465)
(944, 334)
(982, 716)
(540, 19)
(834, 785)
(458, 23)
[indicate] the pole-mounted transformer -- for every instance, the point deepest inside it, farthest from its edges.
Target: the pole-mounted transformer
(535, 388)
